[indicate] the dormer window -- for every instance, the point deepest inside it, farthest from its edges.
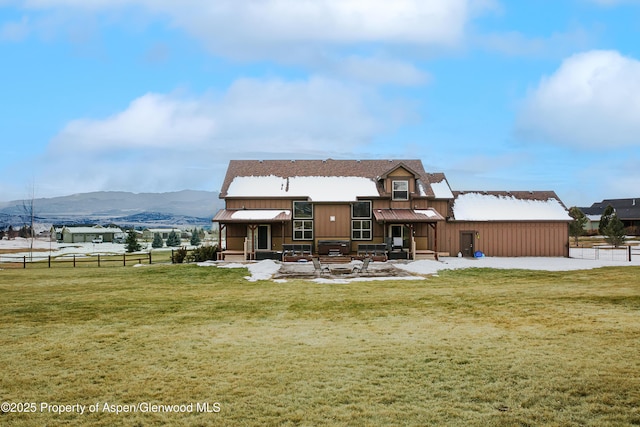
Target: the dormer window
(400, 190)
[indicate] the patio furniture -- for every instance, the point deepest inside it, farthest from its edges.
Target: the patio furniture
(319, 268)
(364, 268)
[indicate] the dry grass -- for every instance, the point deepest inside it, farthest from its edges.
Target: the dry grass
(475, 347)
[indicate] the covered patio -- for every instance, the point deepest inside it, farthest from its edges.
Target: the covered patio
(406, 231)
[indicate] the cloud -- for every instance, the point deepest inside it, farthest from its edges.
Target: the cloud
(15, 31)
(229, 24)
(591, 101)
(177, 140)
(517, 44)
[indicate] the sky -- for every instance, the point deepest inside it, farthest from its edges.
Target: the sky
(158, 95)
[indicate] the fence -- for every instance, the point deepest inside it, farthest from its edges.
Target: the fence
(104, 260)
(607, 253)
(9, 261)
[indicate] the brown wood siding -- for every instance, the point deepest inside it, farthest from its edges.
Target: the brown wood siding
(508, 239)
(324, 228)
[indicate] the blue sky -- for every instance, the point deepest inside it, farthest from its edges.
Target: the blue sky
(158, 95)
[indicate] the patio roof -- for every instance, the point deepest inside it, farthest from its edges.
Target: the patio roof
(405, 216)
(252, 215)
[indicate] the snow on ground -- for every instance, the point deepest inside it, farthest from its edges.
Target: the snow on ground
(45, 248)
(582, 259)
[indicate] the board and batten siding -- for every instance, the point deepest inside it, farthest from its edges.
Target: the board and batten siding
(508, 238)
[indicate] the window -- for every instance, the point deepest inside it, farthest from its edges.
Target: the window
(361, 210)
(302, 230)
(400, 190)
(361, 230)
(360, 222)
(302, 221)
(302, 210)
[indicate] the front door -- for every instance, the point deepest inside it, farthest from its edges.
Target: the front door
(466, 243)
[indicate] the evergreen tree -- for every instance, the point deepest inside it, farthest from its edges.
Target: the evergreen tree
(173, 239)
(11, 233)
(576, 227)
(131, 244)
(195, 237)
(604, 219)
(157, 241)
(614, 231)
(2, 233)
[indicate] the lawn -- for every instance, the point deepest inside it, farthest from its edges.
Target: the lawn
(471, 347)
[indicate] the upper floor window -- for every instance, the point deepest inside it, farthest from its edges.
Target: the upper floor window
(361, 210)
(400, 190)
(302, 210)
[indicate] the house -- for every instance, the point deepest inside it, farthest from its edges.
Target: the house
(149, 233)
(84, 234)
(628, 211)
(394, 207)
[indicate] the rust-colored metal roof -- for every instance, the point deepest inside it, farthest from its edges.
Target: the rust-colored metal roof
(407, 215)
(252, 215)
(372, 169)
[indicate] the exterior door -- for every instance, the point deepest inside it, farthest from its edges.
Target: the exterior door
(467, 243)
(263, 238)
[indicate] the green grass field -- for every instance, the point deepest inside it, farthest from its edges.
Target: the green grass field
(472, 347)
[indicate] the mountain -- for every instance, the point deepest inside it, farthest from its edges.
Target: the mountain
(122, 208)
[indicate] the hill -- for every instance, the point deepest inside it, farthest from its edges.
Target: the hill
(123, 208)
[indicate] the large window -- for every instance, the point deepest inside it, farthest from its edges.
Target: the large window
(361, 221)
(400, 190)
(302, 221)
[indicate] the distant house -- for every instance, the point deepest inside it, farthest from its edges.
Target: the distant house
(149, 233)
(628, 211)
(85, 234)
(351, 207)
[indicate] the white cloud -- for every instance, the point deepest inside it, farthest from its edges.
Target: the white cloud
(234, 24)
(175, 141)
(591, 101)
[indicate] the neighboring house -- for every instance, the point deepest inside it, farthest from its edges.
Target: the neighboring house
(56, 231)
(628, 211)
(353, 206)
(148, 233)
(84, 234)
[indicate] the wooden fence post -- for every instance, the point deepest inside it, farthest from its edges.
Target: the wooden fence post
(98, 260)
(74, 260)
(49, 261)
(124, 260)
(24, 262)
(149, 257)
(629, 250)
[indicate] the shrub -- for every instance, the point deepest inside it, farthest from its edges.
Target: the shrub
(205, 253)
(178, 255)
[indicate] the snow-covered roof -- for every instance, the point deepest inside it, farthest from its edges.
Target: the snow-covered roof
(92, 230)
(442, 190)
(265, 214)
(475, 206)
(316, 188)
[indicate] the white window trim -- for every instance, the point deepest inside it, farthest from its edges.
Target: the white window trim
(361, 229)
(303, 229)
(394, 190)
